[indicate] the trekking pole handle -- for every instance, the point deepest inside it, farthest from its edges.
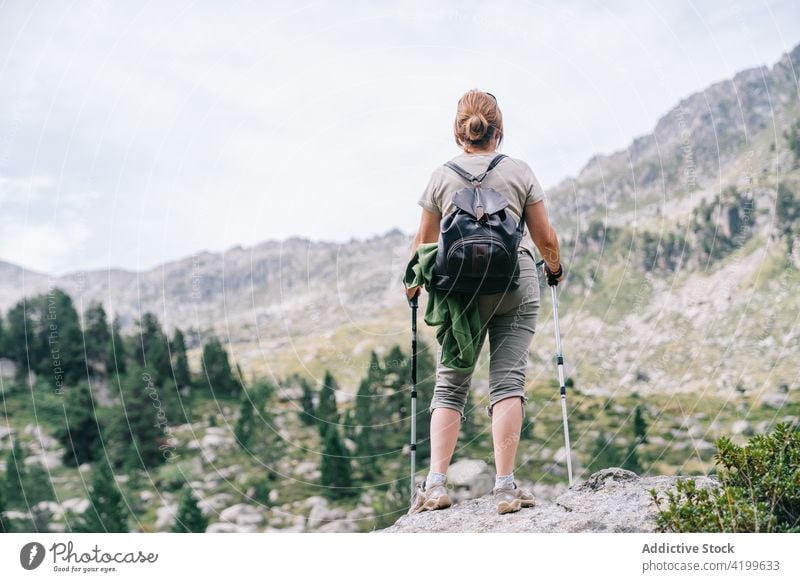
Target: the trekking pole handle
(552, 278)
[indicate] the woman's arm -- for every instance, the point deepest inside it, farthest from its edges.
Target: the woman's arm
(428, 232)
(543, 235)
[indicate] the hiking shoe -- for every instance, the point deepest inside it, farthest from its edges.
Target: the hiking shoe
(510, 499)
(428, 499)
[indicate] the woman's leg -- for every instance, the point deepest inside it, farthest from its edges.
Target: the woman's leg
(506, 426)
(511, 329)
(447, 410)
(445, 425)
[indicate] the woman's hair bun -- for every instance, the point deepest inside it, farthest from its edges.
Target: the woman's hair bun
(476, 127)
(477, 119)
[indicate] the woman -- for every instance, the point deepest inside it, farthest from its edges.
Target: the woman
(508, 318)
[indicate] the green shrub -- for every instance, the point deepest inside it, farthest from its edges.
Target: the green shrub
(759, 489)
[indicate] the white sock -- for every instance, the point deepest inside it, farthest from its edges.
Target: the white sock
(504, 480)
(434, 479)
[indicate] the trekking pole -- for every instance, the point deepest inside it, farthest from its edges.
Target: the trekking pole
(413, 303)
(560, 364)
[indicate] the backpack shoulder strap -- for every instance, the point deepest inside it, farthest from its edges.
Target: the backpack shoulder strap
(462, 172)
(469, 177)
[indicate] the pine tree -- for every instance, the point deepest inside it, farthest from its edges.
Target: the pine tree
(189, 519)
(154, 349)
(631, 461)
(107, 511)
(639, 425)
(97, 336)
(15, 477)
(604, 455)
(327, 412)
(217, 370)
(336, 469)
(5, 527)
(137, 427)
(58, 343)
(117, 354)
(81, 434)
(38, 486)
(365, 431)
(244, 424)
(307, 403)
(183, 377)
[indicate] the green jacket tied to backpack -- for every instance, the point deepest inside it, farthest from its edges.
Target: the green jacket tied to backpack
(455, 314)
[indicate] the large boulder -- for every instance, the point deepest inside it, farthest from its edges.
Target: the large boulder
(611, 500)
(473, 476)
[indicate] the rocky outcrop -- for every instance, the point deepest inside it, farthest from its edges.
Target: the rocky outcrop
(611, 500)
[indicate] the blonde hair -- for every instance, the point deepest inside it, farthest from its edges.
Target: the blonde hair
(477, 119)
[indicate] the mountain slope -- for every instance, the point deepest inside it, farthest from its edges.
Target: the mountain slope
(679, 270)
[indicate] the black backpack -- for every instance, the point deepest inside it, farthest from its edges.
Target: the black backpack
(478, 241)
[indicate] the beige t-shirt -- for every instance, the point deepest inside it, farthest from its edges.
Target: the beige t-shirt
(512, 177)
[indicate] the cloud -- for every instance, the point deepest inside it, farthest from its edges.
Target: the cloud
(165, 128)
(39, 229)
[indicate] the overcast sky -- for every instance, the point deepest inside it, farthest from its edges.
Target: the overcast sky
(134, 133)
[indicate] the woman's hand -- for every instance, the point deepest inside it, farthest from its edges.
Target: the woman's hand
(553, 277)
(412, 292)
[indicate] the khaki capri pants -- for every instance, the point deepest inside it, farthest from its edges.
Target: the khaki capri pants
(509, 319)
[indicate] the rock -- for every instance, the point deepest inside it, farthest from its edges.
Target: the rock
(46, 511)
(307, 470)
(560, 455)
(360, 513)
(274, 495)
(22, 515)
(213, 503)
(696, 431)
(40, 439)
(46, 460)
(475, 475)
(51, 507)
(242, 514)
(774, 400)
(315, 500)
(165, 516)
(611, 500)
(742, 427)
(217, 441)
(299, 522)
(6, 431)
(703, 446)
(321, 514)
(8, 369)
(76, 505)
